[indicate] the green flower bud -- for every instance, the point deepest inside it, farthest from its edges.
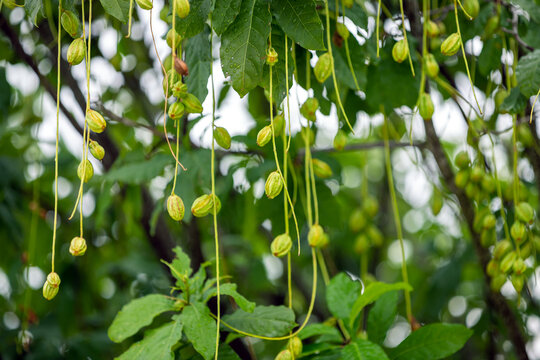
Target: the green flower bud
(477, 174)
(145, 4)
(400, 51)
(321, 169)
(271, 57)
(176, 110)
(462, 178)
(348, 3)
(437, 202)
(374, 235)
(315, 235)
(451, 45)
(77, 247)
(432, 29)
(50, 288)
(203, 205)
(96, 150)
(281, 245)
(222, 137)
(497, 282)
(264, 136)
(518, 232)
(357, 220)
(342, 30)
(173, 35)
(70, 23)
(489, 221)
(492, 268)
(182, 8)
(95, 121)
(471, 190)
(175, 207)
(179, 305)
(525, 213)
(501, 249)
(361, 244)
(323, 68)
(508, 261)
(500, 95)
(488, 184)
(519, 266)
(518, 281)
(179, 90)
(85, 172)
(284, 355)
(432, 67)
(525, 135)
(295, 346)
(192, 104)
(279, 124)
(340, 141)
(526, 250)
(273, 185)
(462, 160)
(370, 206)
(491, 26)
(425, 106)
(76, 51)
(472, 8)
(309, 108)
(488, 238)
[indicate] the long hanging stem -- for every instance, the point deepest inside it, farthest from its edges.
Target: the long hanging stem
(130, 16)
(534, 103)
(177, 148)
(377, 26)
(347, 52)
(405, 35)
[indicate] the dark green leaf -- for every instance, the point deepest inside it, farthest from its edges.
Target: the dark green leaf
(528, 73)
(382, 316)
(432, 342)
(341, 293)
(198, 61)
(137, 314)
(200, 329)
(225, 11)
(301, 22)
(32, 8)
(138, 172)
(194, 22)
(317, 330)
(490, 57)
(363, 350)
(180, 266)
(264, 320)
(230, 290)
(117, 8)
(243, 46)
(515, 102)
(5, 94)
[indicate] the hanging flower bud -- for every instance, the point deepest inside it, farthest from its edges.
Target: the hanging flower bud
(204, 205)
(176, 110)
(279, 124)
(264, 136)
(400, 51)
(489, 222)
(519, 266)
(70, 23)
(309, 108)
(180, 66)
(95, 121)
(518, 232)
(192, 104)
(77, 247)
(348, 3)
(182, 8)
(173, 35)
(432, 68)
(525, 213)
(76, 51)
(281, 245)
(357, 220)
(462, 178)
(472, 8)
(501, 249)
(361, 244)
(175, 207)
(462, 160)
(271, 57)
(323, 68)
(491, 26)
(179, 90)
(518, 281)
(85, 172)
(342, 30)
(340, 140)
(492, 268)
(451, 44)
(425, 106)
(316, 235)
(370, 206)
(273, 185)
(497, 282)
(508, 261)
(437, 202)
(145, 4)
(222, 137)
(96, 150)
(295, 346)
(432, 29)
(50, 288)
(321, 169)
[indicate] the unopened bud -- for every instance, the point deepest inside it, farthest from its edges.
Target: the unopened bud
(400, 51)
(316, 235)
(77, 247)
(273, 185)
(95, 121)
(340, 140)
(176, 110)
(451, 44)
(222, 137)
(295, 346)
(172, 35)
(85, 170)
(321, 169)
(342, 30)
(281, 245)
(96, 150)
(525, 212)
(271, 57)
(192, 104)
(50, 288)
(175, 207)
(425, 106)
(182, 8)
(264, 135)
(70, 23)
(323, 68)
(309, 108)
(145, 4)
(76, 51)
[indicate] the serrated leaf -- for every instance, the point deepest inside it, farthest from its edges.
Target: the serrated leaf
(137, 314)
(341, 294)
(372, 292)
(156, 344)
(330, 333)
(382, 316)
(230, 290)
(225, 11)
(243, 46)
(138, 172)
(528, 73)
(432, 342)
(193, 24)
(32, 9)
(264, 320)
(117, 8)
(363, 350)
(180, 267)
(200, 328)
(198, 61)
(301, 22)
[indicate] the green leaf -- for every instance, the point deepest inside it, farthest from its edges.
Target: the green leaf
(5, 94)
(301, 22)
(196, 19)
(317, 330)
(361, 349)
(117, 8)
(200, 328)
(138, 172)
(180, 267)
(341, 294)
(432, 342)
(32, 8)
(137, 314)
(264, 320)
(382, 316)
(343, 72)
(230, 290)
(528, 73)
(157, 343)
(243, 46)
(490, 57)
(515, 102)
(529, 6)
(372, 292)
(198, 61)
(225, 11)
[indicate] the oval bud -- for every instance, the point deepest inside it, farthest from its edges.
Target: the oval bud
(342, 30)
(172, 35)
(432, 29)
(176, 110)
(491, 26)
(222, 137)
(472, 8)
(273, 185)
(500, 95)
(95, 121)
(70, 23)
(145, 4)
(370, 206)
(492, 268)
(85, 172)
(51, 286)
(518, 281)
(321, 169)
(204, 205)
(519, 266)
(477, 174)
(340, 140)
(425, 106)
(182, 8)
(357, 220)
(437, 202)
(175, 207)
(77, 247)
(179, 90)
(432, 67)
(462, 160)
(180, 66)
(279, 124)
(281, 245)
(497, 282)
(309, 108)
(323, 68)
(451, 45)
(508, 261)
(501, 249)
(76, 51)
(192, 104)
(96, 150)
(316, 235)
(361, 244)
(348, 3)
(489, 222)
(271, 57)
(525, 213)
(400, 51)
(462, 178)
(264, 136)
(295, 346)
(518, 232)
(488, 184)
(374, 235)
